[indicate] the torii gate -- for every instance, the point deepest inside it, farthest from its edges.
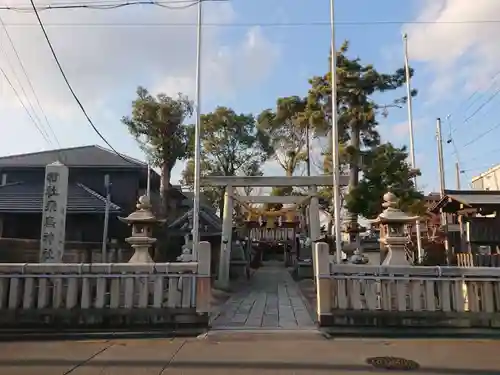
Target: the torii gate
(231, 182)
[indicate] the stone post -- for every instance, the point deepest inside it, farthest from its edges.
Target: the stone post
(314, 223)
(55, 198)
(226, 240)
(323, 283)
(203, 279)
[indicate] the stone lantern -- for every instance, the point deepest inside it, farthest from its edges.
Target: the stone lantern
(142, 222)
(392, 222)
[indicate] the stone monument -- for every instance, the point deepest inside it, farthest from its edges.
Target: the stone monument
(142, 221)
(55, 201)
(187, 250)
(393, 239)
(358, 257)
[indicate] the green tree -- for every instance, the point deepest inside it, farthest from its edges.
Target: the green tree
(385, 168)
(326, 192)
(231, 146)
(157, 123)
(358, 111)
(286, 130)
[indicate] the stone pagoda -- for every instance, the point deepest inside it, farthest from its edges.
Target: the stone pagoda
(392, 222)
(142, 222)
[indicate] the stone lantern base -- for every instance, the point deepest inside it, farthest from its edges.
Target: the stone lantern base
(141, 246)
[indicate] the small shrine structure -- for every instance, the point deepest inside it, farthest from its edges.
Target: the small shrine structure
(142, 221)
(393, 238)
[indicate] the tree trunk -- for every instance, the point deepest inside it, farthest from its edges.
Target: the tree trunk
(164, 191)
(354, 176)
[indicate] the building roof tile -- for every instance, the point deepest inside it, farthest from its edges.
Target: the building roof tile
(209, 222)
(21, 197)
(84, 156)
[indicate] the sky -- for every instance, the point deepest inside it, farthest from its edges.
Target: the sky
(253, 51)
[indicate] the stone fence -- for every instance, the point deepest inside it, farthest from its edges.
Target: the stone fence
(405, 296)
(15, 250)
(106, 295)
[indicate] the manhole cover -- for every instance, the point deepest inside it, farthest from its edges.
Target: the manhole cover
(393, 363)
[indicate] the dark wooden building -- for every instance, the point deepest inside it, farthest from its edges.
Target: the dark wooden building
(473, 219)
(22, 183)
(22, 186)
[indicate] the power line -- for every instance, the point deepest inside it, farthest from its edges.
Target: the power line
(474, 140)
(42, 133)
(68, 84)
(33, 113)
(225, 24)
(30, 84)
(490, 98)
(481, 106)
(471, 103)
(489, 130)
(495, 150)
(109, 6)
(481, 167)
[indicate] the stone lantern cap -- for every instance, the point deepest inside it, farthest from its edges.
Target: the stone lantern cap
(143, 214)
(392, 214)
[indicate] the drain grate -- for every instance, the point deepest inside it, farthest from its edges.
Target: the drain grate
(393, 363)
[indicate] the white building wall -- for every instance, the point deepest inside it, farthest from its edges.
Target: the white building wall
(489, 180)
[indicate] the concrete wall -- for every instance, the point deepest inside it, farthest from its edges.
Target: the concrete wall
(490, 180)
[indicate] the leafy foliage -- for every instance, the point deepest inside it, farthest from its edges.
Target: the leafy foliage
(356, 85)
(385, 167)
(157, 123)
(358, 112)
(286, 131)
(231, 146)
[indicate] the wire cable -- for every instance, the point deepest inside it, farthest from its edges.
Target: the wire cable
(110, 6)
(32, 110)
(30, 84)
(495, 150)
(219, 24)
(490, 98)
(474, 140)
(472, 102)
(42, 133)
(190, 3)
(69, 85)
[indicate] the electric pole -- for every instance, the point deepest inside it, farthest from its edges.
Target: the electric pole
(444, 218)
(457, 171)
(308, 165)
(420, 252)
(335, 140)
(104, 250)
(440, 157)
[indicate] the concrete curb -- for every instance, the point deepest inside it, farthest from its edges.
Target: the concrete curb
(18, 335)
(410, 333)
(256, 334)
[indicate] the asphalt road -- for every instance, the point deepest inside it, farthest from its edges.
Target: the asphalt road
(246, 353)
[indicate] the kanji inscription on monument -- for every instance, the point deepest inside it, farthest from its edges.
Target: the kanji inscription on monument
(55, 198)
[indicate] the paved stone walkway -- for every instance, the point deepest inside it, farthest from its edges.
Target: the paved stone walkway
(272, 300)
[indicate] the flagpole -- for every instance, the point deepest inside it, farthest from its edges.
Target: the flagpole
(148, 186)
(412, 144)
(335, 141)
(197, 135)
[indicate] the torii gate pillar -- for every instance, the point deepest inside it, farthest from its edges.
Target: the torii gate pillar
(226, 240)
(314, 222)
